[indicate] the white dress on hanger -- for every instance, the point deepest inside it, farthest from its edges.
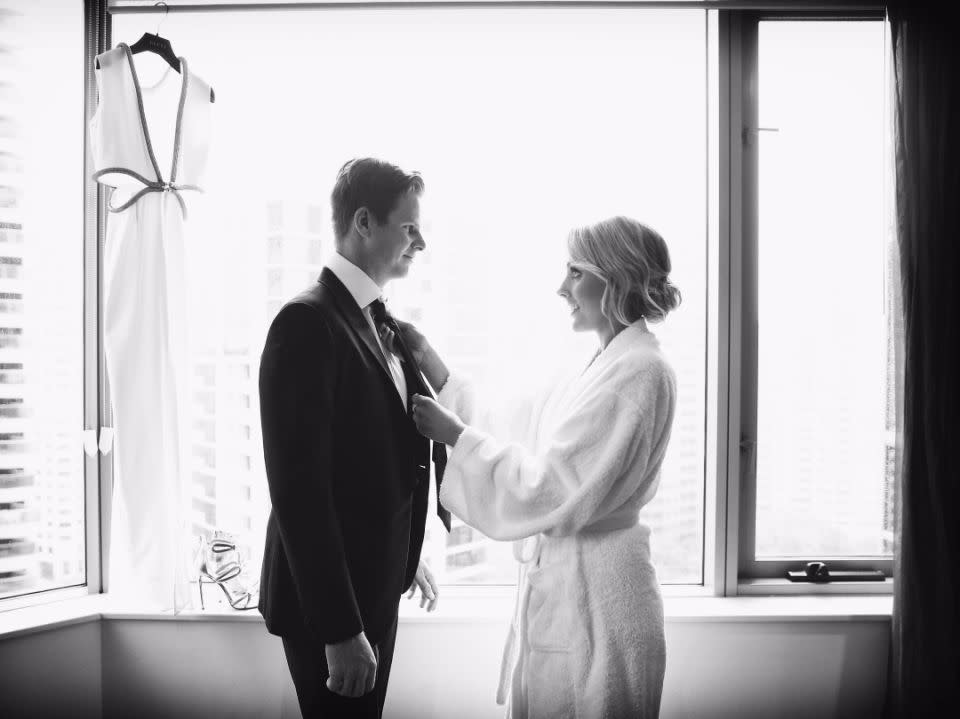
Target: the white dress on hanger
(151, 165)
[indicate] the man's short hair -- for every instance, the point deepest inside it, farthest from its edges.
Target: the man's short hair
(371, 183)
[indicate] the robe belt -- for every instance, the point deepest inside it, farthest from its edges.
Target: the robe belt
(527, 550)
(148, 186)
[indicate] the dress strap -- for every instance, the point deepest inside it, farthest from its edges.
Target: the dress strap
(148, 186)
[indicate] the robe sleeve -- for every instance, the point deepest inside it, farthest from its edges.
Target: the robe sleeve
(509, 492)
(511, 418)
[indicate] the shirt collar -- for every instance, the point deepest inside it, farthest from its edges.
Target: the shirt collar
(358, 283)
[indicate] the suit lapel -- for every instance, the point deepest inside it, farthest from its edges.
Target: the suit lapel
(358, 323)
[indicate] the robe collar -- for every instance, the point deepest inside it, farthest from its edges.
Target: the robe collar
(630, 336)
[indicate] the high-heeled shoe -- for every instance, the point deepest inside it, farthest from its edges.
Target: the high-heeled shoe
(218, 562)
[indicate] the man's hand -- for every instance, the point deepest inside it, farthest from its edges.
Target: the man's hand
(435, 421)
(353, 667)
(428, 587)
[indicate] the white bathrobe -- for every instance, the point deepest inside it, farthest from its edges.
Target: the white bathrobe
(567, 472)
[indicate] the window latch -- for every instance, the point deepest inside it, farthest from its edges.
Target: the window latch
(750, 134)
(819, 573)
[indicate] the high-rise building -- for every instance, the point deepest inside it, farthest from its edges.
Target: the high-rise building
(277, 252)
(894, 391)
(675, 515)
(276, 255)
(19, 516)
(41, 468)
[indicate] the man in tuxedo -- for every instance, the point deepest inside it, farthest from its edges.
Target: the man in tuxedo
(348, 471)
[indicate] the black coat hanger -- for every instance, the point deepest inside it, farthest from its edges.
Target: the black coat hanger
(160, 46)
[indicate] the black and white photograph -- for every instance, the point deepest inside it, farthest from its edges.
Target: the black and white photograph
(479, 359)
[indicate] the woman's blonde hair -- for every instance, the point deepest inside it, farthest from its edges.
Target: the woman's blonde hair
(633, 260)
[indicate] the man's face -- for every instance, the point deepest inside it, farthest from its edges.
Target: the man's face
(393, 244)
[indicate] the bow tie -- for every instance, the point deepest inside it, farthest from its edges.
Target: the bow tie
(378, 311)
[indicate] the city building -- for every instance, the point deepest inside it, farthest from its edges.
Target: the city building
(19, 496)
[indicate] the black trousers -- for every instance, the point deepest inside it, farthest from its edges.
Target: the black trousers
(308, 668)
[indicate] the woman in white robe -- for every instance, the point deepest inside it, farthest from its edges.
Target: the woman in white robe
(567, 472)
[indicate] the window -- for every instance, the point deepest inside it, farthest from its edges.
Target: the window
(274, 215)
(42, 473)
(581, 113)
(821, 306)
(318, 220)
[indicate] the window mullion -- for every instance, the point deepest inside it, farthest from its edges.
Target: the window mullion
(96, 404)
(735, 209)
(744, 144)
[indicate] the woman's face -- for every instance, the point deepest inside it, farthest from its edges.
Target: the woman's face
(583, 291)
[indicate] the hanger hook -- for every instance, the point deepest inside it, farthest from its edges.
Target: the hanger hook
(166, 12)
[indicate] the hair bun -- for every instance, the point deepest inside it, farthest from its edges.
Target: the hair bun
(666, 296)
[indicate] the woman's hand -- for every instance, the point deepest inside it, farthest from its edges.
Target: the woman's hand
(433, 367)
(436, 422)
(416, 342)
(388, 339)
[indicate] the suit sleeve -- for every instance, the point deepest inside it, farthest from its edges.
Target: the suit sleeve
(298, 375)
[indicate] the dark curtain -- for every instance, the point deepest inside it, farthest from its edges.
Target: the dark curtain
(925, 659)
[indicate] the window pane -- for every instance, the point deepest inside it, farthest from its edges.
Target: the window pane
(577, 114)
(827, 262)
(42, 540)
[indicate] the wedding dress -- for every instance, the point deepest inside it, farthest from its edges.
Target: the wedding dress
(149, 144)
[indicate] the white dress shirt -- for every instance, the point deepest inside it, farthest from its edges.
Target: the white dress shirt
(364, 291)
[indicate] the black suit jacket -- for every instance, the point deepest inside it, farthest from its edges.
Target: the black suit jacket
(347, 470)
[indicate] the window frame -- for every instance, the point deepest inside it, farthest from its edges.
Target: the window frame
(745, 574)
(729, 567)
(97, 477)
(97, 412)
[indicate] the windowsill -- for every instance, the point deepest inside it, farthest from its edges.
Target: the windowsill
(784, 587)
(494, 606)
(41, 617)
(806, 608)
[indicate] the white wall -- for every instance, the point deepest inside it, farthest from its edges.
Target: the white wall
(190, 668)
(817, 669)
(54, 673)
(776, 670)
